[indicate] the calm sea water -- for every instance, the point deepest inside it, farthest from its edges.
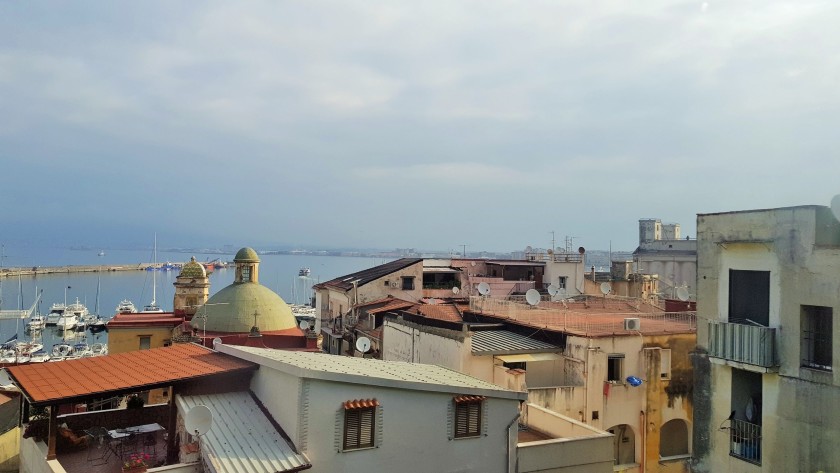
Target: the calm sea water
(277, 272)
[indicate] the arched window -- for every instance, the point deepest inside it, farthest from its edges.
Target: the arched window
(624, 444)
(673, 438)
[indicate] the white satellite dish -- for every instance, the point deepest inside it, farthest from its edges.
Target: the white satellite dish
(216, 342)
(363, 344)
(304, 325)
(552, 289)
(561, 293)
(605, 288)
(198, 420)
(484, 289)
(532, 297)
(455, 290)
(682, 294)
(835, 206)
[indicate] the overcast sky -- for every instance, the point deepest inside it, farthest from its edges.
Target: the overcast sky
(426, 124)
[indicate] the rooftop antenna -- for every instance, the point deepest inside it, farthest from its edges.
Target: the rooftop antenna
(532, 297)
(363, 344)
(198, 422)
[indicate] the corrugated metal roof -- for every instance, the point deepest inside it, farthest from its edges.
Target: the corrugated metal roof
(242, 438)
(489, 342)
(44, 382)
(347, 369)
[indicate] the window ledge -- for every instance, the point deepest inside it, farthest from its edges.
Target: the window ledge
(467, 437)
(671, 458)
(816, 375)
(358, 449)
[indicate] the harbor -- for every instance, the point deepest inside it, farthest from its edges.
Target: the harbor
(68, 269)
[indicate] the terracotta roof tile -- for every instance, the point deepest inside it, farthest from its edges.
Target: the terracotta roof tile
(360, 403)
(88, 376)
(396, 304)
(446, 312)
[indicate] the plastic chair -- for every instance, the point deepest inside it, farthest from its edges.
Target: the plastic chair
(150, 442)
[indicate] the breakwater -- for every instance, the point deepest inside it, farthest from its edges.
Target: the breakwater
(36, 270)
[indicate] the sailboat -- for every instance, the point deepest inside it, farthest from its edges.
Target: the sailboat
(152, 308)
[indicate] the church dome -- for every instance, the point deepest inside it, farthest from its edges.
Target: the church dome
(193, 270)
(236, 304)
(246, 255)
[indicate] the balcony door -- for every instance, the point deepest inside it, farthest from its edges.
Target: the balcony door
(749, 296)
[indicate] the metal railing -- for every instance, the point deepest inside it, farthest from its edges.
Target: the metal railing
(745, 441)
(556, 257)
(750, 344)
(558, 317)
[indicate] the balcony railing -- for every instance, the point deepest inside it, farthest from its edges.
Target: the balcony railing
(750, 344)
(745, 441)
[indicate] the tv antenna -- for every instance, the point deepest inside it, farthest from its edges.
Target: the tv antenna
(682, 293)
(198, 420)
(532, 297)
(363, 344)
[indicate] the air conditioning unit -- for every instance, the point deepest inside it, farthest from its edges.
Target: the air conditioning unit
(632, 324)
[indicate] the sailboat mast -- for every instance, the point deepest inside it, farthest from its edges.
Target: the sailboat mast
(154, 275)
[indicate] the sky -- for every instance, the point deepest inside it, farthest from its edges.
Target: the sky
(430, 124)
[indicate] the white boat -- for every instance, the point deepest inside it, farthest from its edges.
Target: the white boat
(39, 356)
(126, 307)
(82, 350)
(56, 311)
(36, 322)
(67, 321)
(61, 351)
(304, 272)
(152, 308)
(8, 356)
(99, 349)
(97, 325)
(78, 309)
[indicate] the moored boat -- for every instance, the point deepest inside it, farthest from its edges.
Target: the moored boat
(56, 311)
(126, 307)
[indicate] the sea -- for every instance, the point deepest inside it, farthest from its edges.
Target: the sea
(101, 292)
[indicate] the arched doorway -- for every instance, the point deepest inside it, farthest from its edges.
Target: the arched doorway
(673, 438)
(624, 444)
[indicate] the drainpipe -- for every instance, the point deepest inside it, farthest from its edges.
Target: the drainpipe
(509, 448)
(643, 419)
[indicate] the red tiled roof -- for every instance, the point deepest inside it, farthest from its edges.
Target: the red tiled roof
(396, 304)
(44, 382)
(446, 312)
(360, 403)
(465, 398)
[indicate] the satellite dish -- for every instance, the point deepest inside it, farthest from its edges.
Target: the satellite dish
(835, 206)
(216, 342)
(581, 250)
(552, 289)
(484, 289)
(561, 293)
(363, 344)
(304, 325)
(682, 294)
(198, 420)
(532, 297)
(605, 288)
(455, 290)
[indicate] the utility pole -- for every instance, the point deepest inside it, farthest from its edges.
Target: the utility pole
(552, 241)
(465, 251)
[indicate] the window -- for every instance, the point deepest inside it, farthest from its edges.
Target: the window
(145, 342)
(816, 337)
(614, 368)
(246, 273)
(359, 424)
(673, 439)
(386, 283)
(665, 363)
(408, 283)
(468, 416)
(561, 282)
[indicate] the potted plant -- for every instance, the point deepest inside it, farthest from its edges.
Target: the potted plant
(136, 463)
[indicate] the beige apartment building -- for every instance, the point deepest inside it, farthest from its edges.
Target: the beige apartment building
(766, 392)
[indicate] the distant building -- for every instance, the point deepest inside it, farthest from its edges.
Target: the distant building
(766, 391)
(663, 253)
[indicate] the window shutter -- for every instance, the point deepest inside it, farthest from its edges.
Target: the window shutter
(468, 414)
(360, 424)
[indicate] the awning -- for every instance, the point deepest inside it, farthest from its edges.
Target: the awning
(530, 357)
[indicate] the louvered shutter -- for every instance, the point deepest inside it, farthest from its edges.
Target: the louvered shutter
(359, 428)
(468, 419)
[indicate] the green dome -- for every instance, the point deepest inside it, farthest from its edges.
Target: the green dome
(246, 255)
(193, 270)
(236, 315)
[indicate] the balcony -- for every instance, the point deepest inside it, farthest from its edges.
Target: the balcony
(745, 441)
(743, 345)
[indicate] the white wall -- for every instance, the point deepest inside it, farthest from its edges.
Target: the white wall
(415, 435)
(33, 458)
(280, 394)
(574, 273)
